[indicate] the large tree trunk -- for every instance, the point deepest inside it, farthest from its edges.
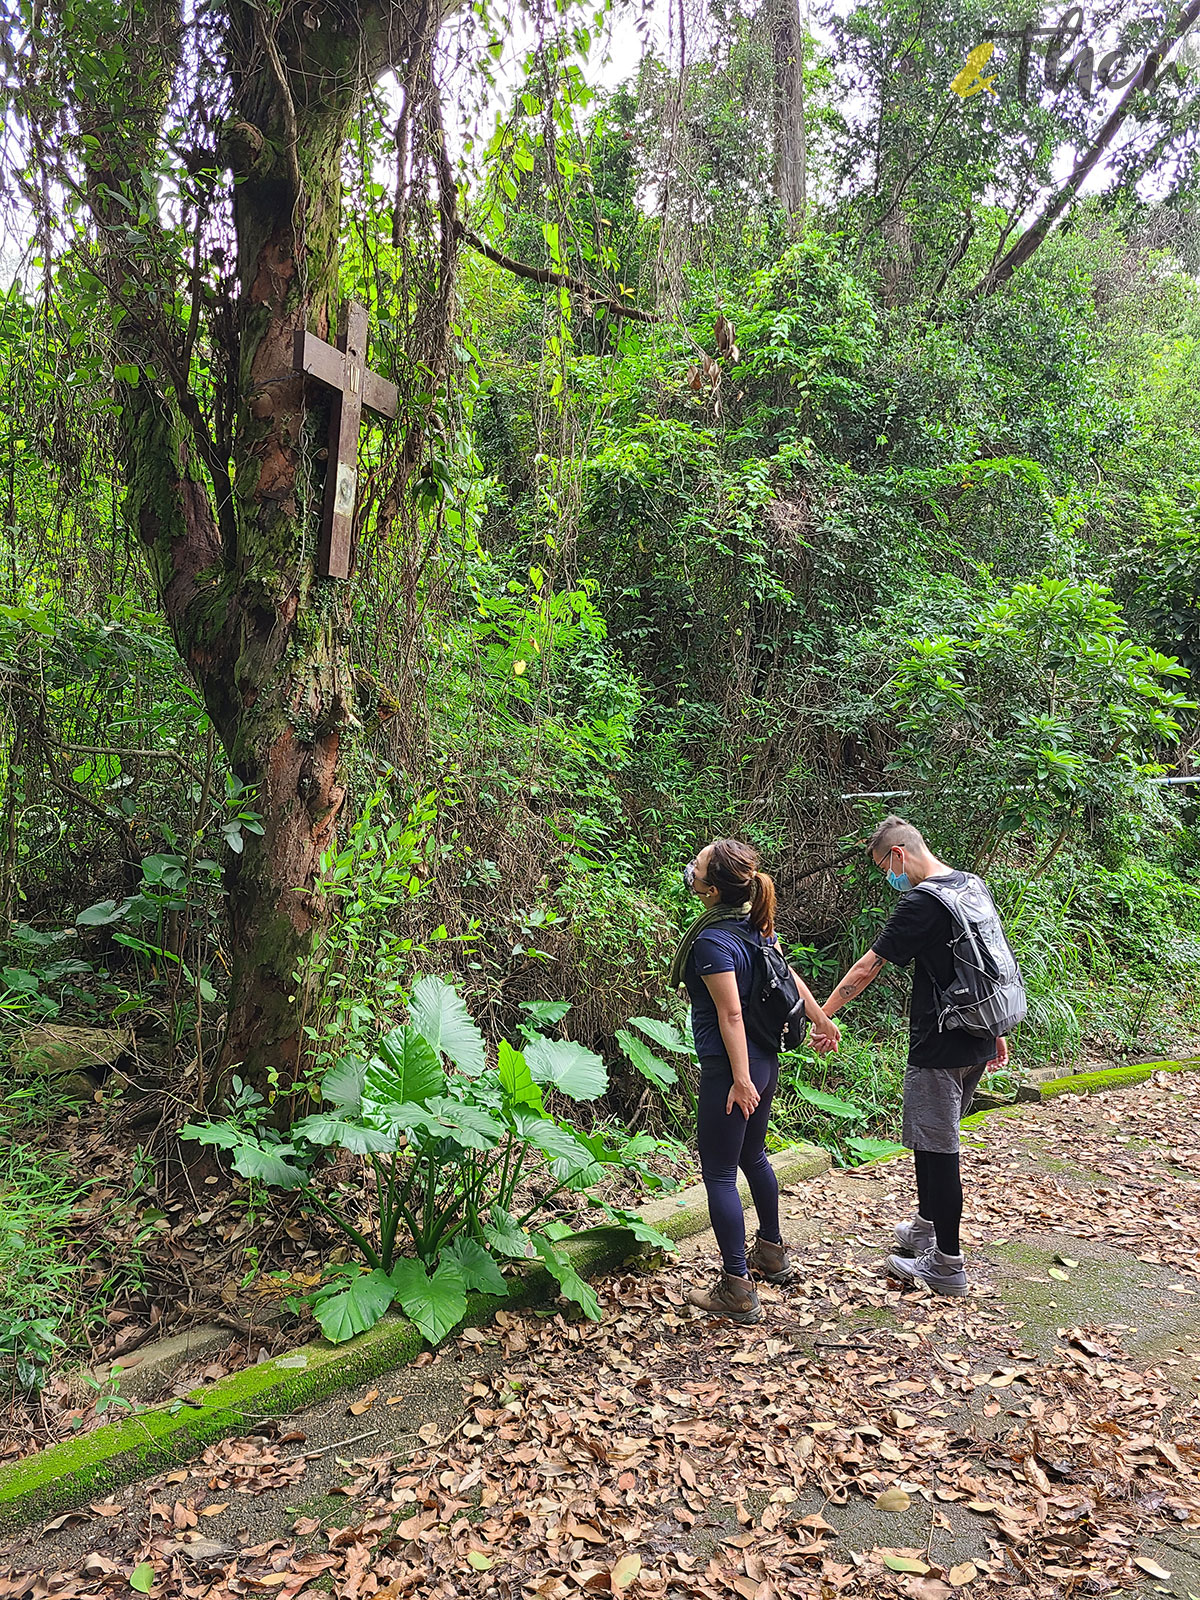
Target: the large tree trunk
(791, 151)
(282, 695)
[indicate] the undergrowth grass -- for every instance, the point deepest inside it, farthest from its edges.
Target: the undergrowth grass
(38, 1284)
(841, 1101)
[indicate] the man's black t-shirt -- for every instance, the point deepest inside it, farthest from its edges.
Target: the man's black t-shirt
(920, 930)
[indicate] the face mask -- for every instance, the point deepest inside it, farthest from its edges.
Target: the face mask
(899, 881)
(689, 876)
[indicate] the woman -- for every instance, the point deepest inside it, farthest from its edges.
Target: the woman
(737, 1076)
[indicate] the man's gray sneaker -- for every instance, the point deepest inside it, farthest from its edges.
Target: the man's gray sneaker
(943, 1274)
(915, 1237)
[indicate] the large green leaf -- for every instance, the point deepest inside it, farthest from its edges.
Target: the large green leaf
(439, 1014)
(639, 1229)
(505, 1234)
(343, 1084)
(663, 1033)
(571, 1067)
(476, 1265)
(874, 1149)
(470, 1126)
(515, 1078)
(405, 1069)
(325, 1127)
(435, 1304)
(829, 1102)
(660, 1074)
(570, 1159)
(572, 1285)
(251, 1159)
(356, 1308)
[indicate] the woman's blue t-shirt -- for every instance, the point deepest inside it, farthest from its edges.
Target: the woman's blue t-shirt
(718, 950)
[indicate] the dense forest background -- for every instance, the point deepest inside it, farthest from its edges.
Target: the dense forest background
(808, 440)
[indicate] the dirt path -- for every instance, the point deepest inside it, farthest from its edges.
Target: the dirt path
(1040, 1438)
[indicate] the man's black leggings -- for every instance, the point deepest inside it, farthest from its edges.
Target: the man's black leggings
(727, 1141)
(940, 1196)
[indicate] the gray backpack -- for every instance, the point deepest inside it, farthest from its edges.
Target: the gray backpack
(986, 996)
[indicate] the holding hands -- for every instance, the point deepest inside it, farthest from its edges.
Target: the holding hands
(826, 1036)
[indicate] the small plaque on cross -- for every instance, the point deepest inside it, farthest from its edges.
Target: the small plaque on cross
(343, 367)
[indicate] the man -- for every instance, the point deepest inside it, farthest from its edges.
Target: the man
(944, 1064)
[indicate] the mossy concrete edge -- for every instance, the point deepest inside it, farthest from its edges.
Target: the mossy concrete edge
(1079, 1083)
(162, 1436)
(1110, 1078)
(68, 1474)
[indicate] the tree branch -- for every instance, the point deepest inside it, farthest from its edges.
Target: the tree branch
(562, 280)
(1035, 235)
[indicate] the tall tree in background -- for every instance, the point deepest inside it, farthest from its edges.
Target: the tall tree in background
(927, 173)
(791, 152)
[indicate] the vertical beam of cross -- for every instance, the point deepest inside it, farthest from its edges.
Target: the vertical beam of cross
(343, 368)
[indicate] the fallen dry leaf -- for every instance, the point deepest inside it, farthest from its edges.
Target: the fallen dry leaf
(1151, 1567)
(624, 1571)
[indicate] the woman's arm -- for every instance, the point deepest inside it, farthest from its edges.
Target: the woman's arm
(826, 1033)
(724, 990)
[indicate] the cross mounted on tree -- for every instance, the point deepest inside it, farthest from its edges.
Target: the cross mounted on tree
(343, 367)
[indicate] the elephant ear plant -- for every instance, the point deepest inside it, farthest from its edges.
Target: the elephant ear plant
(462, 1157)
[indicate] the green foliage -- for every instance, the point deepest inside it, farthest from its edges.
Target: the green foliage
(464, 1156)
(1043, 707)
(38, 1280)
(850, 1103)
(655, 582)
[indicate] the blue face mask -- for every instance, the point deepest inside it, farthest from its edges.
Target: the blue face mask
(899, 881)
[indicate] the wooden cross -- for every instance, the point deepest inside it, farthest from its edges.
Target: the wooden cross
(344, 368)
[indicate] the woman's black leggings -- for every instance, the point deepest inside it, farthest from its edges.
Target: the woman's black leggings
(727, 1141)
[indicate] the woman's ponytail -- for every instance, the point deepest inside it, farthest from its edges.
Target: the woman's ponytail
(733, 870)
(762, 904)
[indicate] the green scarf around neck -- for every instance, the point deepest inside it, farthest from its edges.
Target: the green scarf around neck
(706, 919)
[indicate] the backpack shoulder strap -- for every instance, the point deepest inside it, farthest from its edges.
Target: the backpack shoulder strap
(749, 937)
(941, 892)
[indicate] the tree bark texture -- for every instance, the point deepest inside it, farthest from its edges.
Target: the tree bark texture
(791, 151)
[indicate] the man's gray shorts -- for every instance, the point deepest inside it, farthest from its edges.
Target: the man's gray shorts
(936, 1099)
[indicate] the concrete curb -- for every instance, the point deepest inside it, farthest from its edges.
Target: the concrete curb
(682, 1215)
(67, 1474)
(1097, 1082)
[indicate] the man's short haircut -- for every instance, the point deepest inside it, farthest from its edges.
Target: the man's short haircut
(894, 831)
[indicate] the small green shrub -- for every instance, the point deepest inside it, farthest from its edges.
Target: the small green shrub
(849, 1103)
(37, 1282)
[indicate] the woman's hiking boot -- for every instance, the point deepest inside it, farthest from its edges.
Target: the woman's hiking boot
(729, 1297)
(915, 1237)
(944, 1274)
(770, 1259)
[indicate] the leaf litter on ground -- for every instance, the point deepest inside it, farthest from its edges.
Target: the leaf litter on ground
(660, 1454)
